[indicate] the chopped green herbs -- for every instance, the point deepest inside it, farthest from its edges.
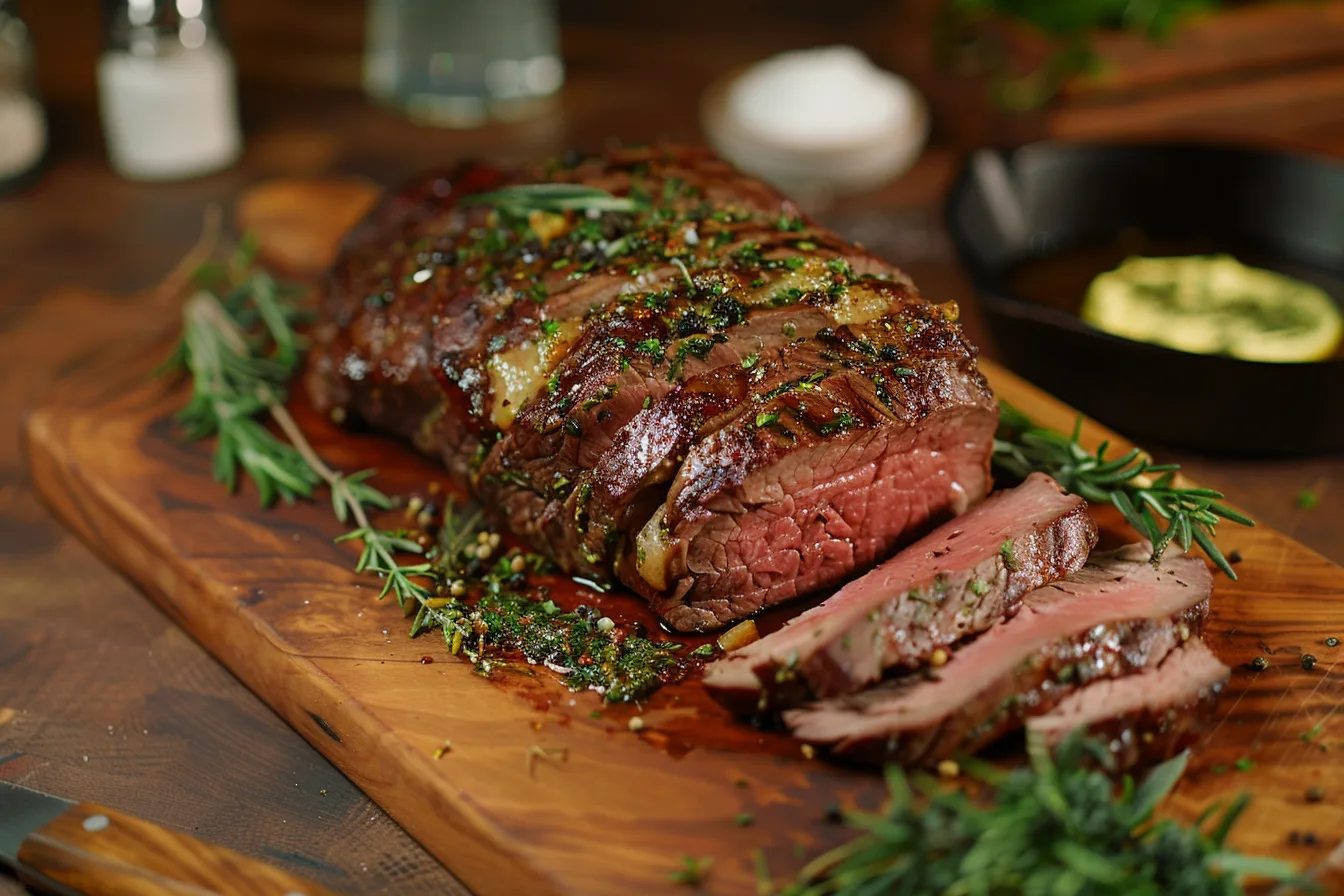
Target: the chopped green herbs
(1244, 764)
(1308, 500)
(1006, 552)
(765, 418)
(1188, 515)
(651, 347)
(1312, 733)
(550, 327)
(696, 346)
(841, 422)
(750, 360)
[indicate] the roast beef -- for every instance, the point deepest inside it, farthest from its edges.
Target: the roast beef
(1117, 616)
(705, 395)
(958, 580)
(1145, 717)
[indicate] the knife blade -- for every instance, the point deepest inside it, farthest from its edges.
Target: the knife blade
(83, 848)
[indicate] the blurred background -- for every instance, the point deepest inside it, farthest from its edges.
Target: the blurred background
(331, 85)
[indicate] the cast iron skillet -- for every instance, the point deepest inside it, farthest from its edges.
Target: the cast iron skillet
(1270, 209)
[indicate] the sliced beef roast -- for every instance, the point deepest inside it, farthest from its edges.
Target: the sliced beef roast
(959, 580)
(1116, 616)
(692, 389)
(1145, 717)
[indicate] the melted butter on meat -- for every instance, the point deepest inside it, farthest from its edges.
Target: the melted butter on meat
(519, 373)
(859, 304)
(856, 304)
(651, 551)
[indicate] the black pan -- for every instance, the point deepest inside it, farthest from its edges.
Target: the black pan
(1274, 210)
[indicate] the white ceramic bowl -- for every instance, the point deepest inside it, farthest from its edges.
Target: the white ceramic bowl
(821, 170)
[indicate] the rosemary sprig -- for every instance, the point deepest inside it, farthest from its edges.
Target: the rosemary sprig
(521, 199)
(1158, 509)
(239, 348)
(1057, 826)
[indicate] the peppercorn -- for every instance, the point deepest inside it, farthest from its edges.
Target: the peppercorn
(1331, 642)
(1308, 662)
(1315, 794)
(1259, 664)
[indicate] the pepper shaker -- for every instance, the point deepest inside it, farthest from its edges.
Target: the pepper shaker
(166, 89)
(23, 124)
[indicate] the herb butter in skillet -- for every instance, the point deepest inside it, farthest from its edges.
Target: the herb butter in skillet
(1213, 304)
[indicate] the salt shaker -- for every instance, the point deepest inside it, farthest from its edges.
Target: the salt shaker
(23, 125)
(166, 88)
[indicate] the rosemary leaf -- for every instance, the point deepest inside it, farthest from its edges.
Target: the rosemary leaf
(521, 199)
(1158, 510)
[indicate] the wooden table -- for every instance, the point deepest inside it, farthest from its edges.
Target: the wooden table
(101, 697)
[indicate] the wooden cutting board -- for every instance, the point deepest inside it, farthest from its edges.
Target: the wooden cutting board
(547, 792)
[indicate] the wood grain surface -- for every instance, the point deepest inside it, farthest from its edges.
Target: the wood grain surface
(98, 852)
(544, 791)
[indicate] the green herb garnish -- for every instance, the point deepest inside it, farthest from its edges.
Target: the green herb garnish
(1142, 491)
(239, 350)
(1057, 826)
(692, 871)
(521, 199)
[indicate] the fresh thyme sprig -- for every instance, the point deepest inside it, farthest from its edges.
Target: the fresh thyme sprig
(1144, 492)
(1056, 826)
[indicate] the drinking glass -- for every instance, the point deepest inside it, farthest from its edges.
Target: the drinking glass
(461, 63)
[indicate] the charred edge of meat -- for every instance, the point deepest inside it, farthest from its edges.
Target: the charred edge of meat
(928, 617)
(1040, 683)
(1138, 729)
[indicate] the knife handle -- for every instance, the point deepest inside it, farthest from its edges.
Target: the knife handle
(98, 852)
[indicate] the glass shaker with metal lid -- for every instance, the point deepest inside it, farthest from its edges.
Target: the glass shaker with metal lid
(23, 125)
(166, 89)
